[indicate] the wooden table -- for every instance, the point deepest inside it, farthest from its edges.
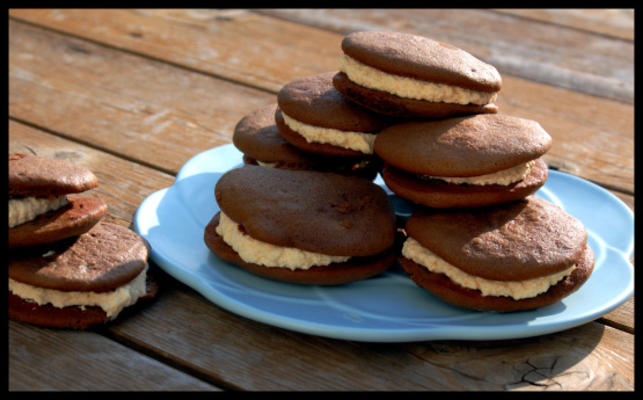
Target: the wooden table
(134, 94)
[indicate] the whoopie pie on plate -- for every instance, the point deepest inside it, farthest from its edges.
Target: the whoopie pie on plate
(314, 117)
(516, 256)
(410, 76)
(305, 227)
(464, 162)
(256, 135)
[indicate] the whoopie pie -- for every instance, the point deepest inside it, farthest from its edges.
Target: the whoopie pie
(305, 227)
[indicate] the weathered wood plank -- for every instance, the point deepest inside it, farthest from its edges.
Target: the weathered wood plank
(120, 102)
(618, 23)
(590, 357)
(133, 102)
(552, 54)
(42, 359)
(621, 317)
(207, 40)
(228, 347)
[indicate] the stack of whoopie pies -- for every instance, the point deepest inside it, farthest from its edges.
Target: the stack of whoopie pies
(67, 267)
(303, 208)
(477, 238)
(422, 113)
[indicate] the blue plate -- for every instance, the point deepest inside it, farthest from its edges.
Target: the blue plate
(389, 307)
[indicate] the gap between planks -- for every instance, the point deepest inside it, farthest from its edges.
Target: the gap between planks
(166, 359)
(93, 146)
(558, 24)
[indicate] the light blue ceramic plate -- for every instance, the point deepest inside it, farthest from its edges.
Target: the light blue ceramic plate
(390, 307)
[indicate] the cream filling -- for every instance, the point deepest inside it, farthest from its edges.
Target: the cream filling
(359, 141)
(28, 208)
(112, 302)
(411, 88)
(262, 253)
(517, 290)
(266, 164)
(504, 177)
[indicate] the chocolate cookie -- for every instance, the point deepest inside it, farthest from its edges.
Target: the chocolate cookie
(314, 117)
(79, 282)
(517, 256)
(406, 75)
(45, 177)
(74, 219)
(464, 162)
(40, 211)
(299, 225)
(261, 143)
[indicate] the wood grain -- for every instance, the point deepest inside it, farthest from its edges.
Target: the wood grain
(126, 104)
(553, 54)
(39, 360)
(588, 140)
(229, 347)
(622, 317)
(532, 48)
(593, 137)
(618, 23)
(589, 357)
(238, 45)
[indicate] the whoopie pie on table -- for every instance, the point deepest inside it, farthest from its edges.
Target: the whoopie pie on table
(80, 282)
(68, 268)
(40, 208)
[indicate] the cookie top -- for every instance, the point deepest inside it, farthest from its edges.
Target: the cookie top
(421, 58)
(104, 258)
(257, 135)
(464, 146)
(43, 177)
(314, 101)
(314, 211)
(526, 239)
